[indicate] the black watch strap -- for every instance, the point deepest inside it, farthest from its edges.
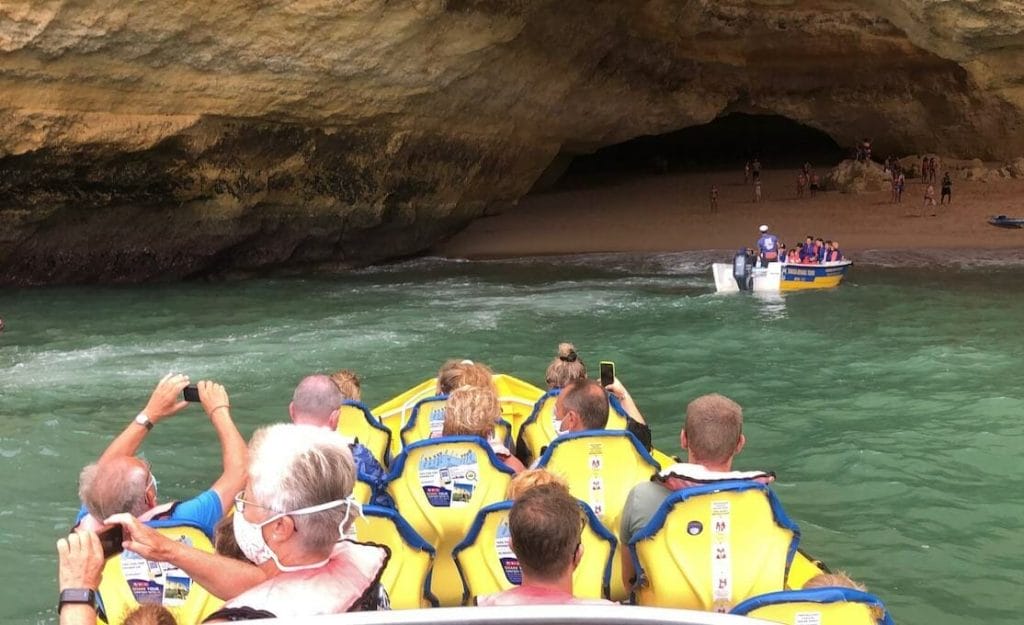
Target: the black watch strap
(85, 596)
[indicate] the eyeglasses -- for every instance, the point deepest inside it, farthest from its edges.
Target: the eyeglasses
(241, 503)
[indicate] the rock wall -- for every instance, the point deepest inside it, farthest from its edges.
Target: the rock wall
(173, 139)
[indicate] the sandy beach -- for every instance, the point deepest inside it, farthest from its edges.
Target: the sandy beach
(670, 212)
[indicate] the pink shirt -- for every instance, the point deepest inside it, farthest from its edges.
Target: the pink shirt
(534, 595)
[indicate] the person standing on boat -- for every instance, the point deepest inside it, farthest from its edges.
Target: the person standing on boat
(767, 246)
(545, 525)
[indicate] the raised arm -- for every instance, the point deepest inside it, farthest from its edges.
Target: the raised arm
(233, 449)
(164, 402)
(222, 576)
(616, 388)
(80, 567)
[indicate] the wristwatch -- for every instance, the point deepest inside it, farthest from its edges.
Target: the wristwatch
(76, 595)
(144, 421)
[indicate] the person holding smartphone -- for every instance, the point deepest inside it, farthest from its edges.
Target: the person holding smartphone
(121, 482)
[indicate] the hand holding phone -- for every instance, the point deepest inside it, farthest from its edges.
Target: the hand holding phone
(190, 393)
(112, 541)
(607, 373)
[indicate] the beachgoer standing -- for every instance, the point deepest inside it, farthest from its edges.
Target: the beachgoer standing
(755, 169)
(757, 191)
(947, 189)
(815, 184)
(714, 198)
(801, 182)
(746, 173)
(901, 182)
(929, 196)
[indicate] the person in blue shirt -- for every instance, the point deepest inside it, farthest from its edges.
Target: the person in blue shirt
(767, 246)
(120, 482)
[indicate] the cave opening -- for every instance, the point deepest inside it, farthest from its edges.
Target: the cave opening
(726, 142)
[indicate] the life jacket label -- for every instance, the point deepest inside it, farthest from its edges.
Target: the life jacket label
(596, 497)
(449, 479)
(509, 562)
(721, 557)
(436, 422)
(807, 618)
(156, 582)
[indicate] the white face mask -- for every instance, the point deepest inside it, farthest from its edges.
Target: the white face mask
(249, 535)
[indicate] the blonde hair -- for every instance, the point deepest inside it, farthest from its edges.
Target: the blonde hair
(471, 410)
(530, 478)
(456, 373)
(838, 578)
(348, 383)
(566, 368)
(150, 614)
(842, 580)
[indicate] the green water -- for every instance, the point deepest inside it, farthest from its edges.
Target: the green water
(890, 408)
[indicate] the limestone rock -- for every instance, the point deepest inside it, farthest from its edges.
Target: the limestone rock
(857, 177)
(172, 139)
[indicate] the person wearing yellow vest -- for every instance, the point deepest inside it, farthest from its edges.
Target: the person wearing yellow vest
(290, 522)
(712, 436)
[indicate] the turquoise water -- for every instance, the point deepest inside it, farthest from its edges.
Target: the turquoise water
(890, 407)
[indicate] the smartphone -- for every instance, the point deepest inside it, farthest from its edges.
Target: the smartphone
(607, 373)
(112, 541)
(190, 393)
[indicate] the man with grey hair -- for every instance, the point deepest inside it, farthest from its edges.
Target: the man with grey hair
(317, 402)
(712, 436)
(120, 482)
(289, 522)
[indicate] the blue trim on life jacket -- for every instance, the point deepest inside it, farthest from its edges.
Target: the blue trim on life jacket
(396, 468)
(555, 392)
(593, 522)
(833, 594)
(735, 486)
(571, 436)
(411, 423)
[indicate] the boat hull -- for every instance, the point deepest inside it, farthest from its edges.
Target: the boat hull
(783, 277)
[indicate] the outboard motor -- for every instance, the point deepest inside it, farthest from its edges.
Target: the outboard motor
(741, 270)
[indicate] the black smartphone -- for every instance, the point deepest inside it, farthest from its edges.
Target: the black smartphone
(190, 393)
(607, 373)
(112, 541)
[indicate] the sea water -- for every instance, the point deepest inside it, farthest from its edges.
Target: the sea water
(891, 408)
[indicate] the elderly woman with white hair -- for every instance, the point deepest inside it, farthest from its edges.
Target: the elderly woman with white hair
(290, 522)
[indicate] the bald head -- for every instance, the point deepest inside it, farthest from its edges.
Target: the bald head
(713, 433)
(117, 485)
(316, 402)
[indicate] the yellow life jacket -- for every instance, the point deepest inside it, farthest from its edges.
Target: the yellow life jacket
(542, 427)
(356, 422)
(438, 486)
(362, 492)
(129, 580)
(817, 606)
(407, 574)
(427, 421)
(488, 565)
(710, 547)
(601, 467)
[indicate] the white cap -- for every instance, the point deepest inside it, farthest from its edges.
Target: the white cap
(763, 228)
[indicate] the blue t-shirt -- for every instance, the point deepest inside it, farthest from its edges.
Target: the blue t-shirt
(203, 511)
(768, 243)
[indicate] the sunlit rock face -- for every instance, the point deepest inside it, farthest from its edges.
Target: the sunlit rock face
(163, 140)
